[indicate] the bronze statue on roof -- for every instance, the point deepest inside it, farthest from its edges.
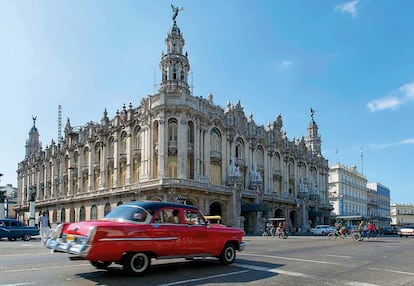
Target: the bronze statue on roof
(175, 10)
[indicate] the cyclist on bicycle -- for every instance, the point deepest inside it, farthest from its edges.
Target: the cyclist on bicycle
(341, 227)
(360, 227)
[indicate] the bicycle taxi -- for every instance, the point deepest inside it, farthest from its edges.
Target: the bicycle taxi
(276, 227)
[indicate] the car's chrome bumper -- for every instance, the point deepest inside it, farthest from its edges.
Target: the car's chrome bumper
(80, 247)
(242, 246)
(58, 245)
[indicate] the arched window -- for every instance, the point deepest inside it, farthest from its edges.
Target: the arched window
(63, 215)
(215, 140)
(82, 214)
(97, 154)
(215, 156)
(124, 143)
(72, 215)
(260, 157)
(107, 208)
(86, 157)
(94, 212)
(172, 167)
(172, 130)
(111, 148)
(239, 148)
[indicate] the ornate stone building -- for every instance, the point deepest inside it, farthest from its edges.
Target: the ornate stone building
(178, 147)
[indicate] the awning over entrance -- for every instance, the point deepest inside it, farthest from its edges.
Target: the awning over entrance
(254, 208)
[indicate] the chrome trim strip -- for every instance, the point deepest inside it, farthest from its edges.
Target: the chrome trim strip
(139, 238)
(242, 246)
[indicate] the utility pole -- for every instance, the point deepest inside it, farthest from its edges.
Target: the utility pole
(362, 161)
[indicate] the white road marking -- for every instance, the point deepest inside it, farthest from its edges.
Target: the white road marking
(290, 258)
(393, 271)
(18, 284)
(44, 268)
(301, 275)
(204, 278)
(274, 270)
(340, 256)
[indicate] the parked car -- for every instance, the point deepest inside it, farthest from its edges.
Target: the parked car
(322, 229)
(389, 230)
(134, 233)
(14, 229)
(407, 230)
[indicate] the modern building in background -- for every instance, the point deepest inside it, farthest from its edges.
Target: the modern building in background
(9, 200)
(381, 212)
(351, 195)
(178, 147)
(347, 191)
(402, 214)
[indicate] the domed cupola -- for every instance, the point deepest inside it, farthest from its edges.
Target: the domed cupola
(174, 64)
(313, 140)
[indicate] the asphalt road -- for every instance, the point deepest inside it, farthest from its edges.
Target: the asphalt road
(303, 260)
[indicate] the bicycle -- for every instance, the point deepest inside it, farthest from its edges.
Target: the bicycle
(355, 235)
(282, 234)
(269, 232)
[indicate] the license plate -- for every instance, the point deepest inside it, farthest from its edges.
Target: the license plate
(70, 237)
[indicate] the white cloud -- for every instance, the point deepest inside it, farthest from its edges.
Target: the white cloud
(384, 103)
(407, 141)
(348, 7)
(389, 145)
(404, 94)
(408, 90)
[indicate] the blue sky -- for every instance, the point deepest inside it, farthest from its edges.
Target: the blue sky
(351, 61)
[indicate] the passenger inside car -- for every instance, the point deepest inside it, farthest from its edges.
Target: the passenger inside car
(175, 217)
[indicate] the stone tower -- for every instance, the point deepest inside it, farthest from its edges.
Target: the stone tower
(33, 145)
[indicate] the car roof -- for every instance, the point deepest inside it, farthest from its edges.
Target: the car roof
(152, 206)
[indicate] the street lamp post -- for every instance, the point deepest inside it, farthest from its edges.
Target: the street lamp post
(32, 198)
(341, 204)
(3, 195)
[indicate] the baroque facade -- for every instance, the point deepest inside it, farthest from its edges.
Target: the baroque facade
(178, 147)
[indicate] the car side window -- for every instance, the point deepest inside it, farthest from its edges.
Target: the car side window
(194, 217)
(168, 216)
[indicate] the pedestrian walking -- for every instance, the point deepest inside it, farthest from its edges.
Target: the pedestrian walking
(44, 227)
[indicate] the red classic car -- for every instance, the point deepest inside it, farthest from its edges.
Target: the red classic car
(134, 233)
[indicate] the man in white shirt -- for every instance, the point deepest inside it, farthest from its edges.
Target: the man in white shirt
(44, 226)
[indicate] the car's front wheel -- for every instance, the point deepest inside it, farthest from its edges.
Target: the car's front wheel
(228, 255)
(26, 237)
(136, 263)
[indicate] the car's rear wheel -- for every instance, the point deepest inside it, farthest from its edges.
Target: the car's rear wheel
(100, 264)
(228, 255)
(26, 237)
(136, 263)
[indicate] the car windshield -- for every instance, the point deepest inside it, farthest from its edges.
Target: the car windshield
(128, 212)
